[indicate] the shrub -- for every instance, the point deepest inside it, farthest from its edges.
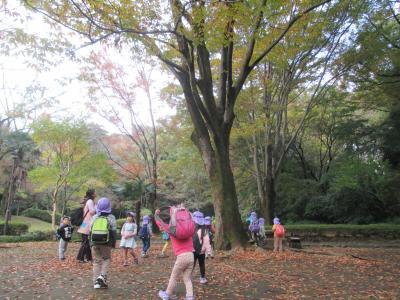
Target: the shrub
(14, 228)
(345, 206)
(29, 237)
(43, 215)
(120, 222)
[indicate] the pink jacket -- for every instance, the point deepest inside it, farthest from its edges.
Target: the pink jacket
(89, 211)
(179, 246)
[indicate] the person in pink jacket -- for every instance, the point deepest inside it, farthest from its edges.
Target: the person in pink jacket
(89, 210)
(183, 250)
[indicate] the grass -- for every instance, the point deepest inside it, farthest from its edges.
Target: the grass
(34, 224)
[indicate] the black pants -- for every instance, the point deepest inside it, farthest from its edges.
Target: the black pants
(202, 263)
(84, 250)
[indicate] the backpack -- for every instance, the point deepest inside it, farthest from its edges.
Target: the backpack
(58, 236)
(78, 216)
(197, 243)
(279, 230)
(144, 232)
(181, 225)
(255, 226)
(100, 231)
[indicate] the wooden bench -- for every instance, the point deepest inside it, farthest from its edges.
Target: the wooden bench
(294, 242)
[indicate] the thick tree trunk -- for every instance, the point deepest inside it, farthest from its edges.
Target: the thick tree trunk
(230, 232)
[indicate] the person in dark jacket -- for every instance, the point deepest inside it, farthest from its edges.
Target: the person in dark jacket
(65, 233)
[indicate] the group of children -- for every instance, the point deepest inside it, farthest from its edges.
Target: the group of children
(188, 249)
(256, 229)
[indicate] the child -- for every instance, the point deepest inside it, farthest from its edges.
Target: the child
(254, 227)
(279, 233)
(165, 238)
(210, 231)
(102, 238)
(201, 245)
(145, 234)
(261, 222)
(128, 243)
(65, 234)
(183, 249)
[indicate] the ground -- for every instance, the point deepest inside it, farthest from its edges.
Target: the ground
(32, 271)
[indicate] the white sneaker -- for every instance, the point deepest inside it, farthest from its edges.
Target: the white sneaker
(101, 282)
(203, 280)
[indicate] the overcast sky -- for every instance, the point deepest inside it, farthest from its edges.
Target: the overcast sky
(72, 96)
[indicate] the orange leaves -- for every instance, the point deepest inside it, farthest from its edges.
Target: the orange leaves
(33, 271)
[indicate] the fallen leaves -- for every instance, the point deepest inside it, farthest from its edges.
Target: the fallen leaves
(33, 271)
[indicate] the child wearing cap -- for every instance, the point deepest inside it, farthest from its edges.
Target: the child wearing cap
(128, 243)
(279, 234)
(145, 235)
(201, 245)
(254, 227)
(183, 267)
(64, 232)
(102, 251)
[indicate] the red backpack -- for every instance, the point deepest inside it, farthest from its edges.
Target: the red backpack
(279, 230)
(181, 225)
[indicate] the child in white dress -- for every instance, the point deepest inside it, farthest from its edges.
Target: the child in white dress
(128, 243)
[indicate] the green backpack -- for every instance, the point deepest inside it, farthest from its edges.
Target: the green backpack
(100, 232)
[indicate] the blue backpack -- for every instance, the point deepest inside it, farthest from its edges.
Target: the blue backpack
(144, 232)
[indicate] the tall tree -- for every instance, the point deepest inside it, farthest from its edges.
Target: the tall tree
(108, 81)
(191, 39)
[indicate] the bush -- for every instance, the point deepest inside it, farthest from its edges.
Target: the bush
(14, 228)
(345, 206)
(43, 215)
(30, 237)
(120, 222)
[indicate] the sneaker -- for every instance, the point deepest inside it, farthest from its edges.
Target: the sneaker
(163, 295)
(189, 298)
(136, 261)
(100, 282)
(97, 284)
(125, 264)
(203, 280)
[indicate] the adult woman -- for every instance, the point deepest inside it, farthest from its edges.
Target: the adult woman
(89, 211)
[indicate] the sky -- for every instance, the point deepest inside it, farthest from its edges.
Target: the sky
(61, 81)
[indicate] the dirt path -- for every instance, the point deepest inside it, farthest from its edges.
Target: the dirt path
(32, 271)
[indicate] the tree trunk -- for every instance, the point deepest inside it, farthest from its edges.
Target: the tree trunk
(137, 211)
(152, 206)
(12, 186)
(54, 209)
(230, 232)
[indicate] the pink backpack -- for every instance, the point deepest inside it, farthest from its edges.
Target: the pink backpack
(280, 230)
(181, 225)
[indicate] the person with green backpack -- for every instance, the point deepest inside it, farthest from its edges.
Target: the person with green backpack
(102, 239)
